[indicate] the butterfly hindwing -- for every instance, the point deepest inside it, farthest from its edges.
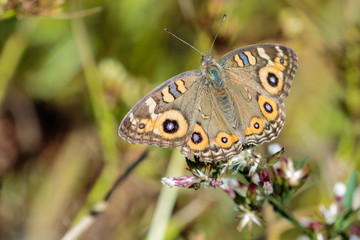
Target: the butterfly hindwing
(212, 138)
(258, 124)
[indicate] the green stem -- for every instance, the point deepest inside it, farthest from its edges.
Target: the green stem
(279, 207)
(12, 53)
(105, 121)
(166, 201)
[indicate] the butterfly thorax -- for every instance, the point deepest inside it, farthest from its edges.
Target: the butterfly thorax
(212, 71)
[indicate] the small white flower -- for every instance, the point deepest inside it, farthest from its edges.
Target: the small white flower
(274, 148)
(303, 237)
(228, 185)
(353, 237)
(201, 175)
(329, 214)
(185, 181)
(291, 174)
(246, 158)
(255, 179)
(319, 236)
(254, 166)
(339, 189)
(241, 161)
(268, 189)
(248, 217)
(168, 181)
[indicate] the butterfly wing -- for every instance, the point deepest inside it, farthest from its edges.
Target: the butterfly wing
(259, 79)
(213, 138)
(165, 116)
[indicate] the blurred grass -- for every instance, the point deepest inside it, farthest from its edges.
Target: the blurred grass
(66, 84)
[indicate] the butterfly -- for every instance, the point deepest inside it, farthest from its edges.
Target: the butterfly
(215, 112)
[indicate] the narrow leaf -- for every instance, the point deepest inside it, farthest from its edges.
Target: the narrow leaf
(302, 163)
(350, 188)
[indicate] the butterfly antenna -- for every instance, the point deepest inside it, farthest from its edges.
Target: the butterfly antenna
(212, 45)
(166, 30)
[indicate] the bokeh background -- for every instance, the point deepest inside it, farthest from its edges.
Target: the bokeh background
(69, 72)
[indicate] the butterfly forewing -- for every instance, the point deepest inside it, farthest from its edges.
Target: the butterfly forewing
(164, 117)
(268, 68)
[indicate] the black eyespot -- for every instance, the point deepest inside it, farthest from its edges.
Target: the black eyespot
(170, 126)
(141, 125)
(224, 139)
(268, 108)
(282, 61)
(272, 79)
(256, 125)
(196, 138)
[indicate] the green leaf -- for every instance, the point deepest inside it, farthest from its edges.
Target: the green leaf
(350, 188)
(302, 163)
(271, 161)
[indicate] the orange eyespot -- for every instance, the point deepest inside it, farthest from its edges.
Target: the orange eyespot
(271, 79)
(198, 140)
(225, 140)
(268, 107)
(256, 126)
(145, 125)
(171, 124)
(280, 63)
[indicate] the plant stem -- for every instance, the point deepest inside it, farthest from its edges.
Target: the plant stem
(279, 207)
(12, 53)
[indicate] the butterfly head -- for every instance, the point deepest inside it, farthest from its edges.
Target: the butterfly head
(207, 61)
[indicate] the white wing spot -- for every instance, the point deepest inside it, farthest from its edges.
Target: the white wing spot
(204, 116)
(263, 54)
(280, 51)
(132, 120)
(151, 105)
(281, 75)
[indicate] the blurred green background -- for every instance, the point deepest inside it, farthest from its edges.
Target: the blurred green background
(69, 73)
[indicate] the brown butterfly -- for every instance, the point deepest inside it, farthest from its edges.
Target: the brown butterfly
(214, 112)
